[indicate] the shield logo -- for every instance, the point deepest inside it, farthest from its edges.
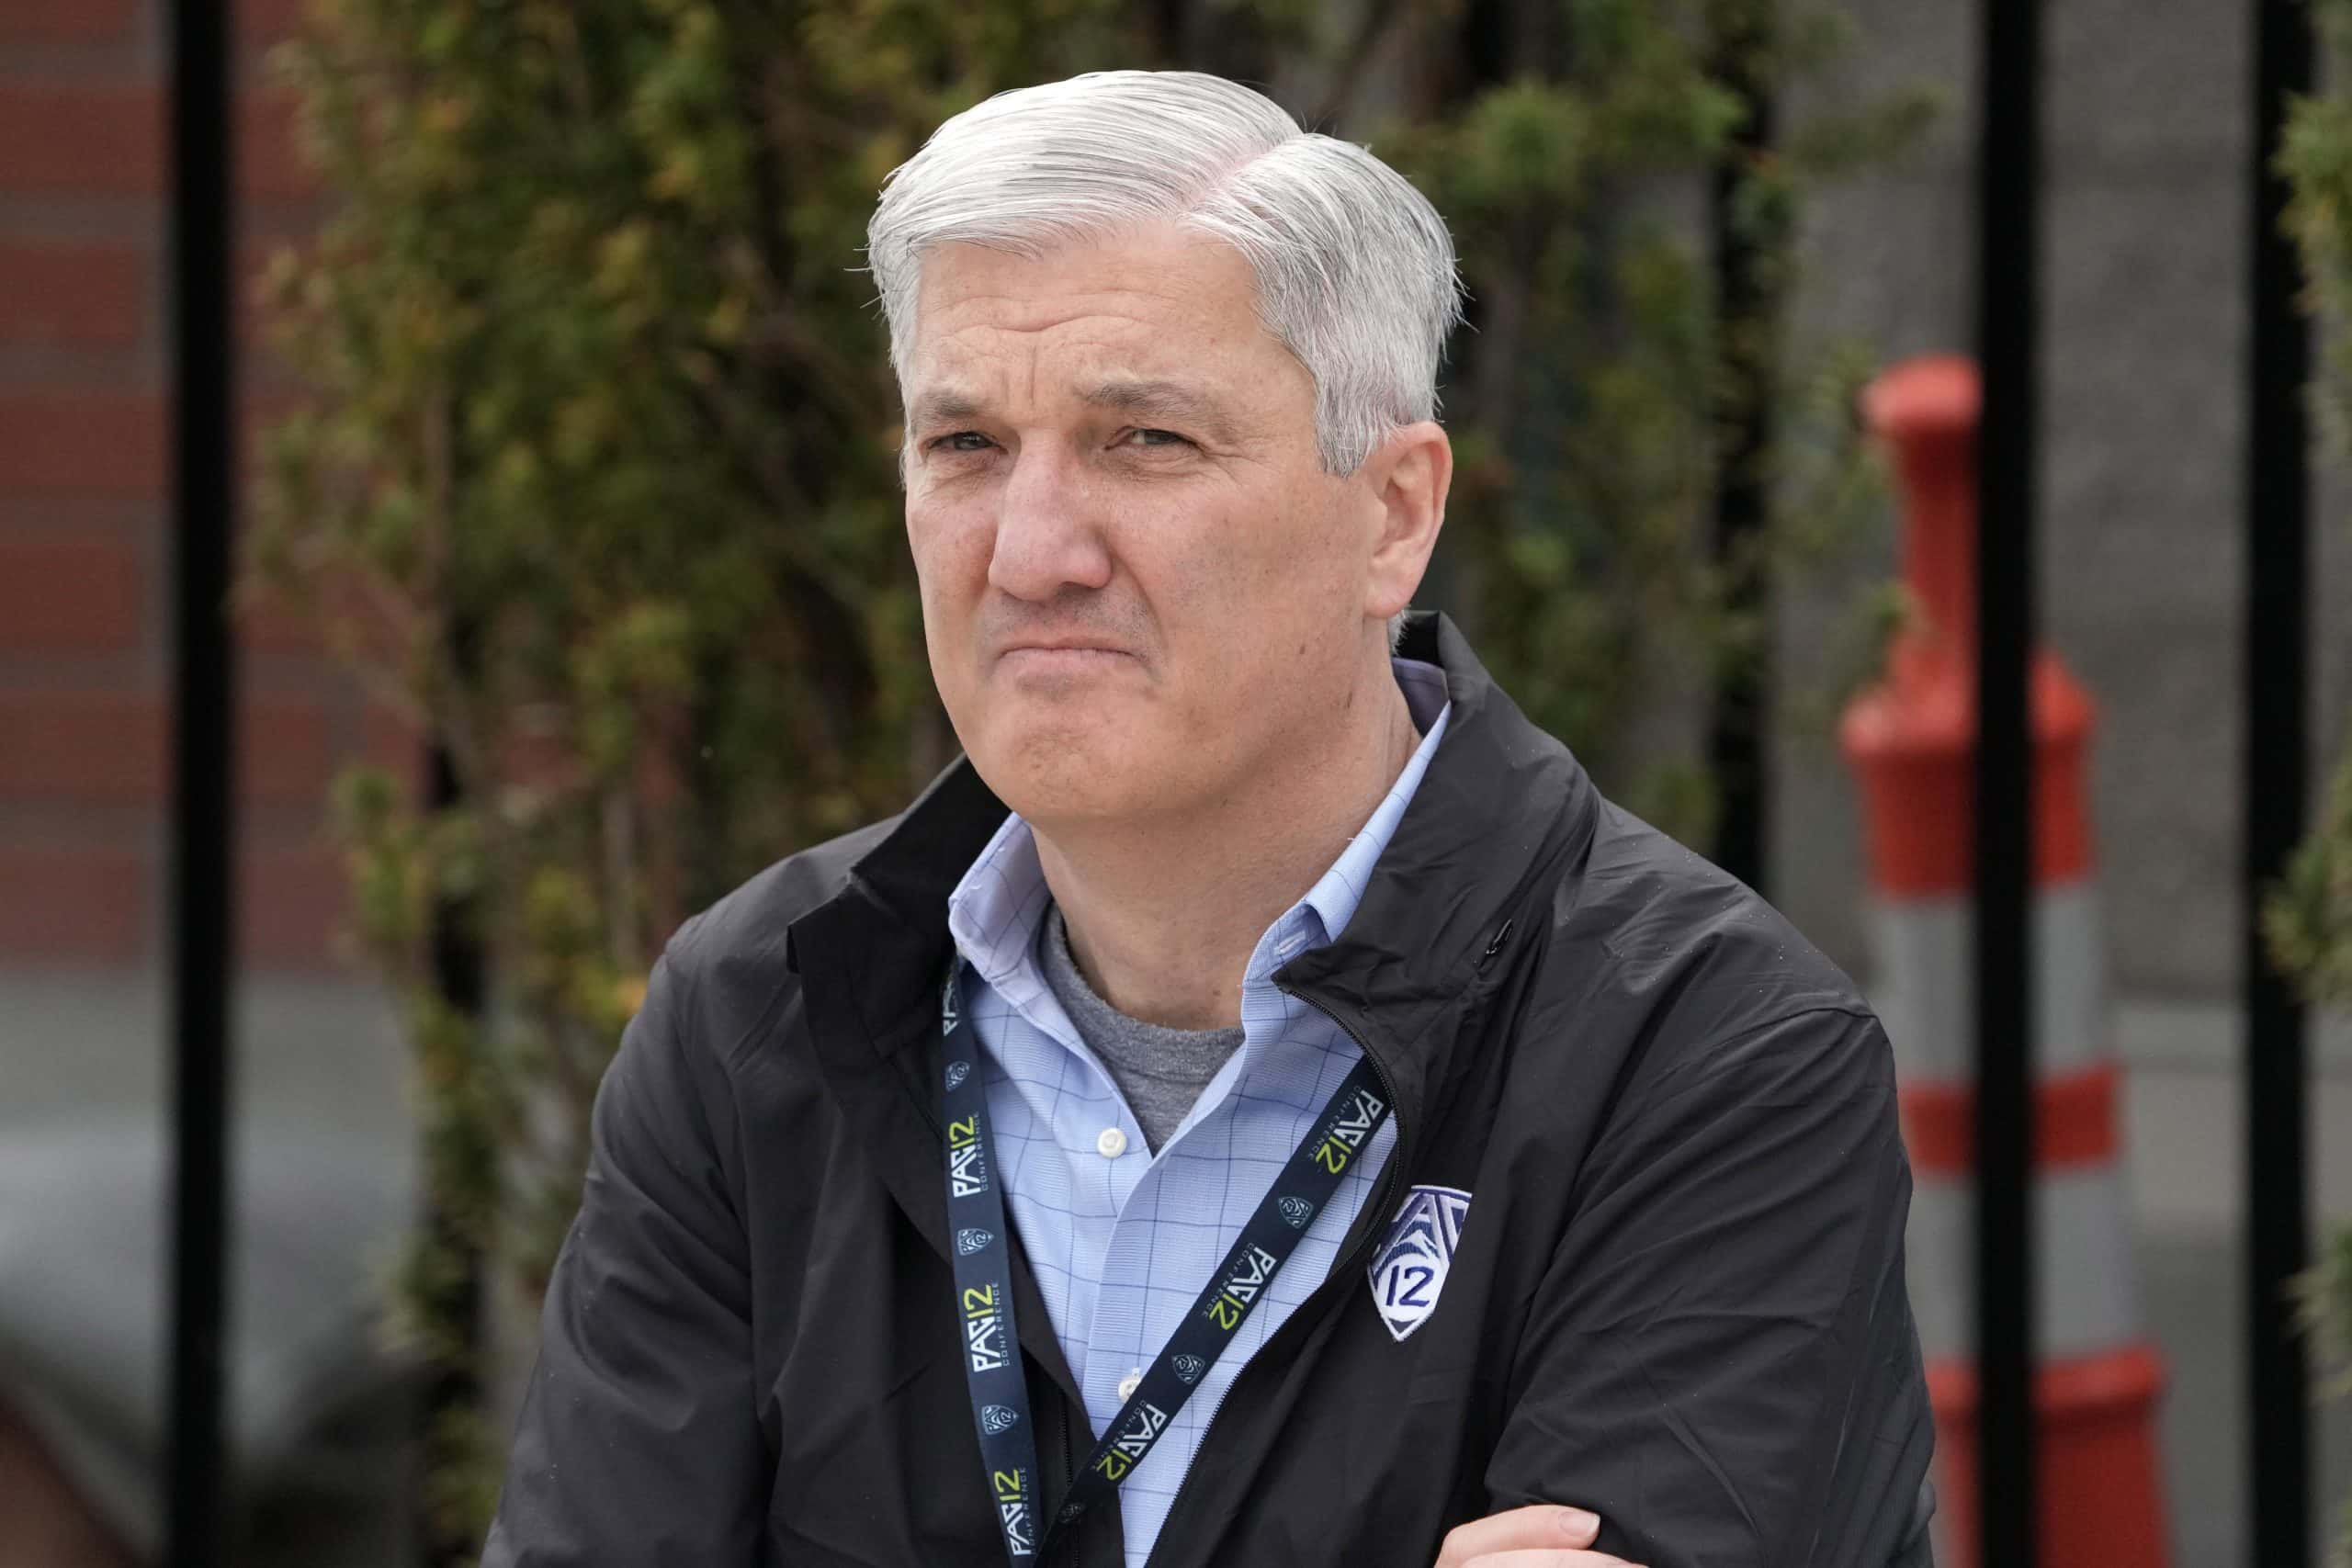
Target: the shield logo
(1189, 1369)
(1409, 1270)
(956, 1073)
(1296, 1211)
(967, 1242)
(996, 1418)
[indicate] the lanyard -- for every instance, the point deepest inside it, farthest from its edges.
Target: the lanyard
(984, 1286)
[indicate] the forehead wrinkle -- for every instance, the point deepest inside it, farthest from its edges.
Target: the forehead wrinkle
(1106, 375)
(1002, 351)
(1018, 315)
(1071, 301)
(986, 345)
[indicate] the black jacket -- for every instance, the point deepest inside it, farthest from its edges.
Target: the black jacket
(1678, 1299)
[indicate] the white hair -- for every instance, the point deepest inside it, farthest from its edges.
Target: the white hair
(1356, 271)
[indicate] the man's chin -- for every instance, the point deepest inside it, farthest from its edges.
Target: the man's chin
(1061, 777)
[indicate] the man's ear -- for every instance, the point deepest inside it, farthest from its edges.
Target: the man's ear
(1408, 476)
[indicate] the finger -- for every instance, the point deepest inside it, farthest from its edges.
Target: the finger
(1557, 1559)
(1539, 1526)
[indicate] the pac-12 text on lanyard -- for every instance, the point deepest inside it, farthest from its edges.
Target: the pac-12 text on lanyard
(984, 1286)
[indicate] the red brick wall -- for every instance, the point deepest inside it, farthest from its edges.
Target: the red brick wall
(84, 642)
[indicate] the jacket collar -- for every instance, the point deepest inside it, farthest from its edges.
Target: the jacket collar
(1502, 807)
(1501, 801)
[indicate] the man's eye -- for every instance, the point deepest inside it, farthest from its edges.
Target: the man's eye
(1153, 438)
(961, 441)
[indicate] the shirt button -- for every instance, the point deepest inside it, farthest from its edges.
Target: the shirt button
(1127, 1386)
(1110, 1142)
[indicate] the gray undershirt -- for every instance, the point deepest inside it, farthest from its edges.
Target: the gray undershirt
(1161, 1071)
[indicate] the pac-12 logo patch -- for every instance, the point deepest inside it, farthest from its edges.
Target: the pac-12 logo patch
(1409, 1270)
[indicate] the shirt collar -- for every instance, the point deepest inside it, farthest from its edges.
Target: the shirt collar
(994, 911)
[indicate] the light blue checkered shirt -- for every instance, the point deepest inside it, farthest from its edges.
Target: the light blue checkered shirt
(1122, 1245)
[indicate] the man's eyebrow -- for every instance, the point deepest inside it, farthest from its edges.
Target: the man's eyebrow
(933, 408)
(1177, 401)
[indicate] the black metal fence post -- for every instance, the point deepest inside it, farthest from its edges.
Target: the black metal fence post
(202, 907)
(1749, 264)
(452, 1394)
(2008, 230)
(2277, 753)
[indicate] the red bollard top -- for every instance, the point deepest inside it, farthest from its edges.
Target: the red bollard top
(1911, 738)
(1927, 410)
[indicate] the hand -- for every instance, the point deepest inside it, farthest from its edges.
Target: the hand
(1542, 1535)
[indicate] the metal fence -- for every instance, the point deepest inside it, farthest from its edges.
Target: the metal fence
(2276, 757)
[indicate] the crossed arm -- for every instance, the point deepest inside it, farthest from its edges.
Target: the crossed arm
(1720, 1362)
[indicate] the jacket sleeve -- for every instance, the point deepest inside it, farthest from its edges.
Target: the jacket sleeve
(1720, 1360)
(637, 1444)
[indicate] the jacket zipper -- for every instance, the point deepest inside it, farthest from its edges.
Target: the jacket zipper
(1341, 1268)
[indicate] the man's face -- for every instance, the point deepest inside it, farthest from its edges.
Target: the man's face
(1137, 581)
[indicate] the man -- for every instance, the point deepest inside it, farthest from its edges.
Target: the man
(1263, 1106)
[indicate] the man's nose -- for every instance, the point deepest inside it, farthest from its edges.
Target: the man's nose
(1048, 532)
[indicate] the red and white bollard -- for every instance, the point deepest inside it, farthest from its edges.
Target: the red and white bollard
(1911, 742)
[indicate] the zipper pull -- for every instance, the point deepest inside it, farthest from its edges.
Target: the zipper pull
(1502, 935)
